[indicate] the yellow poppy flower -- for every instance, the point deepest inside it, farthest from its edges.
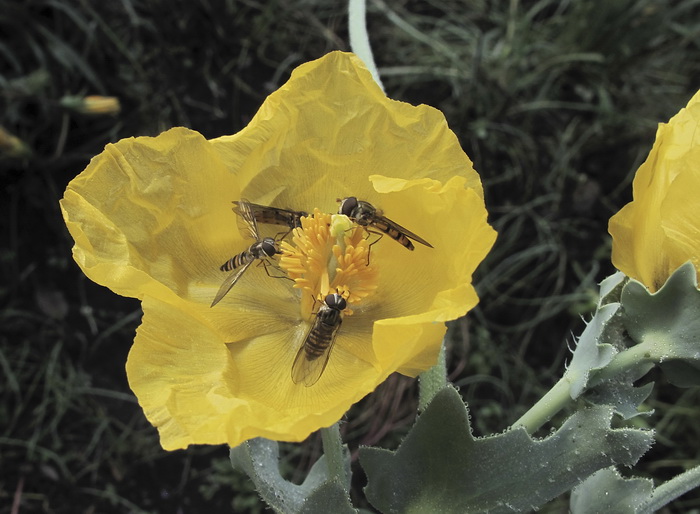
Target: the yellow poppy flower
(152, 219)
(660, 229)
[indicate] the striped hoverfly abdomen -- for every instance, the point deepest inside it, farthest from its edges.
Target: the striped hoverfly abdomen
(366, 215)
(312, 357)
(260, 250)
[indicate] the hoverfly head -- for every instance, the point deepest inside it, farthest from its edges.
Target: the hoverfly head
(269, 247)
(348, 206)
(335, 301)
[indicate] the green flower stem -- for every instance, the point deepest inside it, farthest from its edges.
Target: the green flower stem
(559, 396)
(551, 403)
(623, 361)
(333, 451)
(359, 39)
(669, 491)
(431, 382)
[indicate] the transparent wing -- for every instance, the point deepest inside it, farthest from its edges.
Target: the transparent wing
(230, 282)
(308, 370)
(381, 220)
(246, 219)
(276, 215)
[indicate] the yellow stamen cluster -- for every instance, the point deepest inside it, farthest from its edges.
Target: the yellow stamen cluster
(323, 260)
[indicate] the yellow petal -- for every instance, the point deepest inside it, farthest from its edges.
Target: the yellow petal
(152, 219)
(428, 285)
(344, 129)
(153, 216)
(681, 219)
(198, 388)
(657, 231)
(453, 220)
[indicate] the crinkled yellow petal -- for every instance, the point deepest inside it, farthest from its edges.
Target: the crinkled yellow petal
(428, 285)
(397, 338)
(344, 129)
(648, 244)
(681, 218)
(199, 387)
(337, 134)
(179, 370)
(152, 216)
(152, 219)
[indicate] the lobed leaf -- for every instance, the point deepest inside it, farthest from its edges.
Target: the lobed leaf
(607, 491)
(442, 467)
(667, 324)
(621, 394)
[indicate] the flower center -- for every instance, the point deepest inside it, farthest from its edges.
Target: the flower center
(329, 254)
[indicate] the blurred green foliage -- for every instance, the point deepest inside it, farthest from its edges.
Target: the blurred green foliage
(555, 101)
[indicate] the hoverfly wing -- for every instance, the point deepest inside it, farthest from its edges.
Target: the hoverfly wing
(230, 282)
(395, 230)
(364, 214)
(246, 219)
(309, 365)
(276, 215)
(294, 218)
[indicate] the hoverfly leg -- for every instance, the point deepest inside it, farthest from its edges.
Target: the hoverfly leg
(264, 263)
(368, 232)
(369, 247)
(282, 234)
(314, 310)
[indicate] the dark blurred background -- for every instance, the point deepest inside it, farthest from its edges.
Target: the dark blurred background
(556, 102)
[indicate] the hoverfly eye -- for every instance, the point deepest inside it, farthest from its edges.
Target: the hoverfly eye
(268, 246)
(335, 301)
(347, 206)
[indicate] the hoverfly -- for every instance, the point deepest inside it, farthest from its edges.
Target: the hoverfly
(261, 249)
(275, 215)
(312, 357)
(365, 214)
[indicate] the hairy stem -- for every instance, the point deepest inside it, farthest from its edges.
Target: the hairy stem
(333, 451)
(622, 362)
(555, 400)
(359, 39)
(669, 491)
(559, 397)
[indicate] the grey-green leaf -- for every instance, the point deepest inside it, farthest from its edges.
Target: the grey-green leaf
(607, 491)
(611, 288)
(259, 459)
(621, 393)
(442, 467)
(667, 323)
(591, 352)
(328, 497)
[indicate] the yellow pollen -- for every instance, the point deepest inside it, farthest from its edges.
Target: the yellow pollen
(322, 259)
